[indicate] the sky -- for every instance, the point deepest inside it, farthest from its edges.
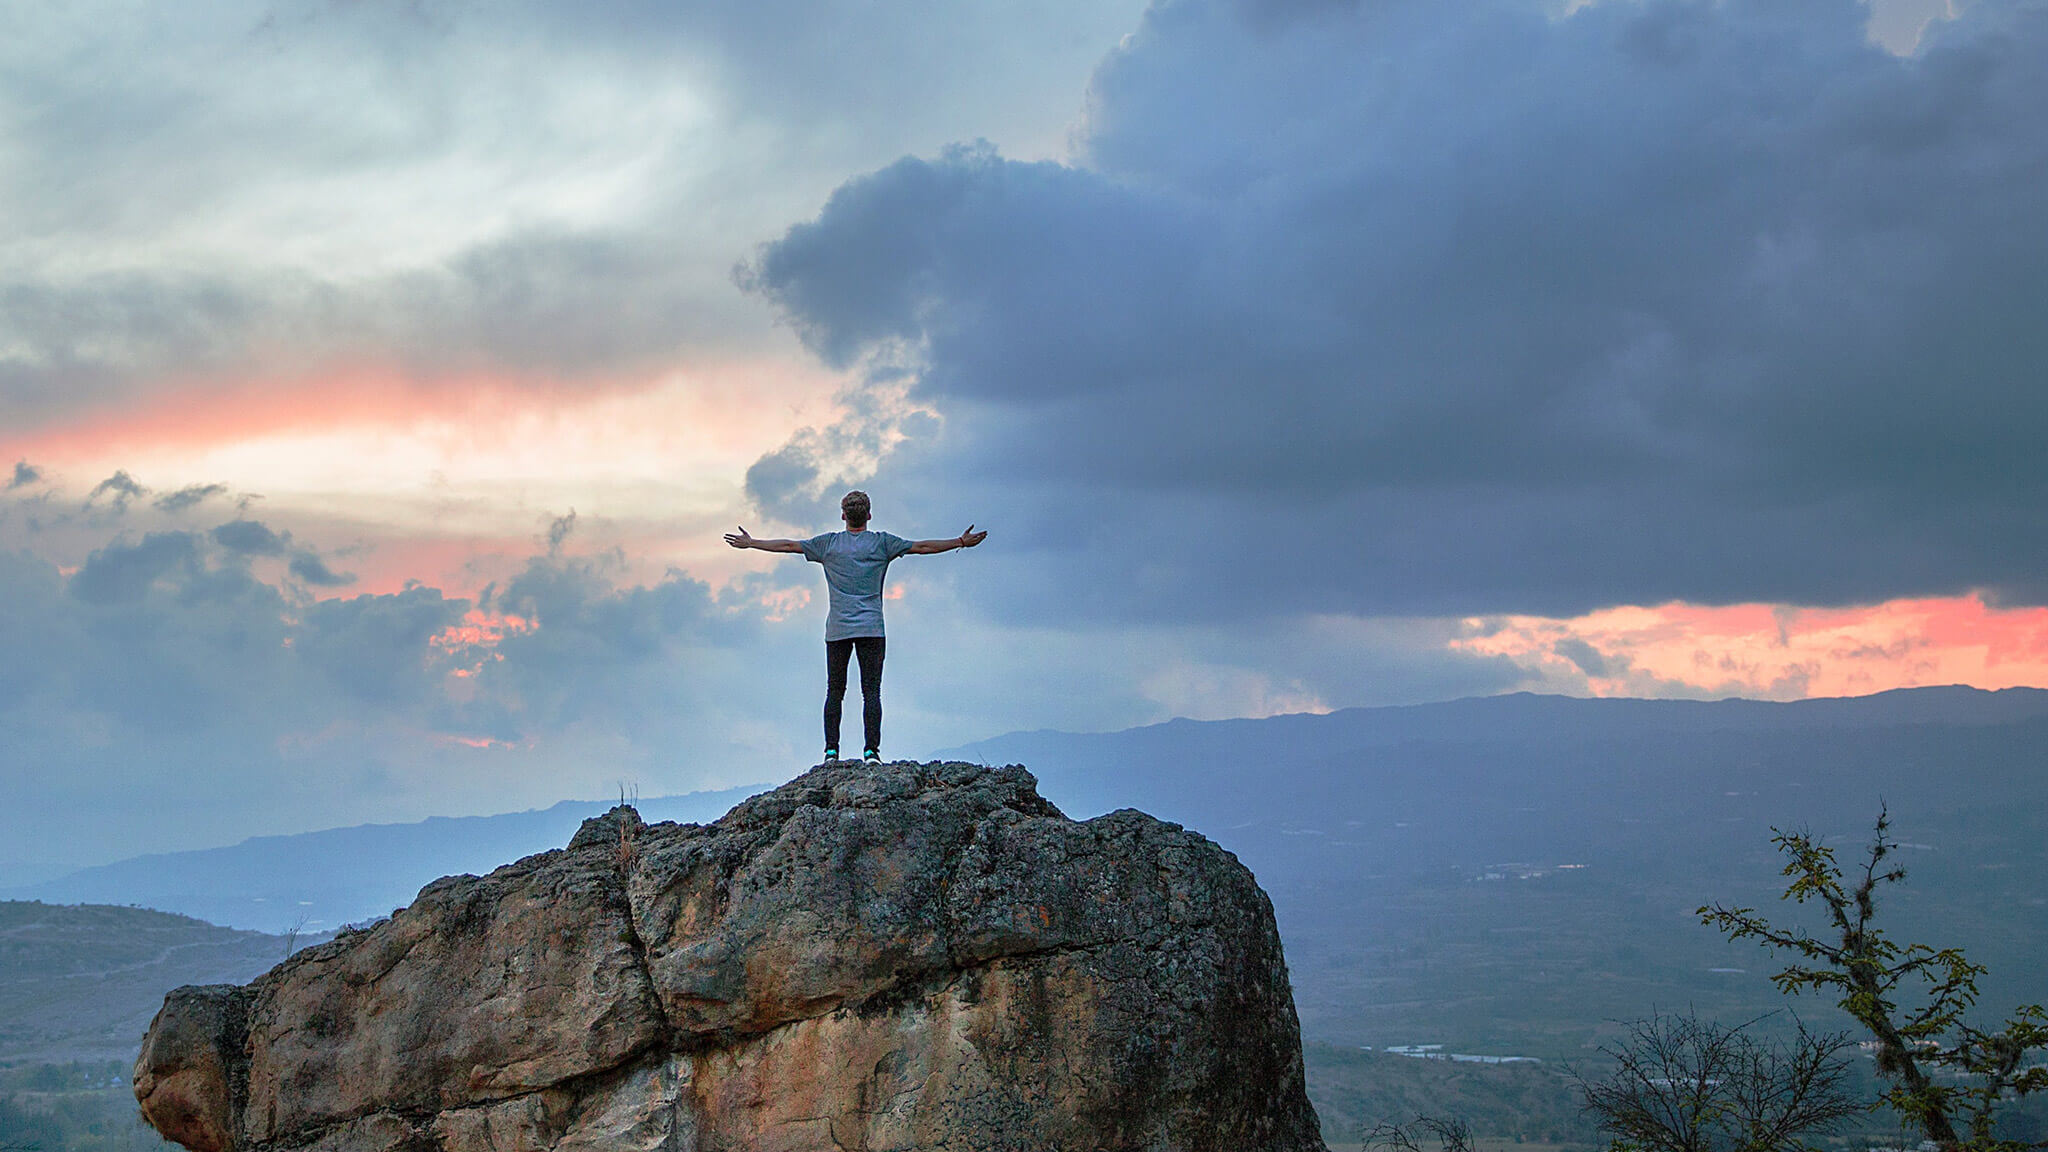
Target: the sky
(377, 377)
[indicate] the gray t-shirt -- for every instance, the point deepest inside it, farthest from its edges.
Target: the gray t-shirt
(855, 563)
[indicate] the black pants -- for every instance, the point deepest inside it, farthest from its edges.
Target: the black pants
(871, 649)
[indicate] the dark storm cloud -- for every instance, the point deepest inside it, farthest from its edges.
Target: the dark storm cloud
(595, 651)
(174, 687)
(374, 647)
(1408, 307)
(309, 568)
(125, 572)
(559, 530)
(80, 344)
(551, 304)
(520, 307)
(119, 489)
(250, 538)
(585, 620)
(1586, 657)
(188, 496)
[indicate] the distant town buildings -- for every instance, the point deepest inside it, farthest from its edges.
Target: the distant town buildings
(1436, 1052)
(1521, 871)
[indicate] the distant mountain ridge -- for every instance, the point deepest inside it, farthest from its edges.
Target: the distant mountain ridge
(1528, 715)
(1506, 873)
(319, 881)
(1179, 764)
(1501, 874)
(344, 875)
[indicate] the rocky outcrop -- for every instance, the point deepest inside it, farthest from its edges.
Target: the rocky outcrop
(915, 956)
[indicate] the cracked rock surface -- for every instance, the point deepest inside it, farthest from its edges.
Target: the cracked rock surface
(909, 956)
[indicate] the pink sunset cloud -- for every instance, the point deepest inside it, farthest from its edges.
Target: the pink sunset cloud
(749, 401)
(452, 482)
(1774, 651)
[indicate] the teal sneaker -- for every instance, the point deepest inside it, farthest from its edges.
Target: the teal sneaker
(831, 755)
(871, 756)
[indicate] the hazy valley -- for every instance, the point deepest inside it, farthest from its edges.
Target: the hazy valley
(1505, 876)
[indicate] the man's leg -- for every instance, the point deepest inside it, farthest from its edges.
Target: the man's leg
(871, 650)
(836, 654)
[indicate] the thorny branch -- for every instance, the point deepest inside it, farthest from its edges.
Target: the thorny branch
(1867, 970)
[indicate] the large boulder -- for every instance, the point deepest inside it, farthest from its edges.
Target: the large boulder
(911, 956)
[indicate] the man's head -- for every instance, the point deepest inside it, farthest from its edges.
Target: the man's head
(854, 508)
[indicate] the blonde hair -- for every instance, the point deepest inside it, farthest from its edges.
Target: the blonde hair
(855, 507)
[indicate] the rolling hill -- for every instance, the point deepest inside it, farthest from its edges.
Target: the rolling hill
(81, 983)
(319, 881)
(1511, 874)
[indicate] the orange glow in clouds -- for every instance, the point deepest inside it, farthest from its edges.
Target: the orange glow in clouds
(206, 414)
(476, 637)
(378, 447)
(1768, 652)
(480, 629)
(454, 482)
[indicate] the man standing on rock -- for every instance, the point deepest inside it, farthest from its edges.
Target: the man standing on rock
(855, 562)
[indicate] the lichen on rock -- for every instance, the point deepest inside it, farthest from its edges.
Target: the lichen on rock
(910, 956)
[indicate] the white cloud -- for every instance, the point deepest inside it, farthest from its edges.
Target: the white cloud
(235, 191)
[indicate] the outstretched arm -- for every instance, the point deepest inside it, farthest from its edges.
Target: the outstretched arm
(967, 539)
(740, 539)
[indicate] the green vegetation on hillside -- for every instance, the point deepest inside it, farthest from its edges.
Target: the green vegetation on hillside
(1947, 1079)
(81, 1106)
(1355, 1090)
(82, 982)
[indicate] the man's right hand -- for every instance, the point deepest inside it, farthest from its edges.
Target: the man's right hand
(740, 539)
